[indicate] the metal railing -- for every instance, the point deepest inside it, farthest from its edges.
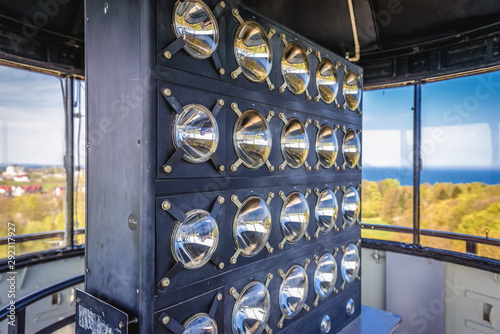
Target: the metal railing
(19, 313)
(471, 241)
(60, 234)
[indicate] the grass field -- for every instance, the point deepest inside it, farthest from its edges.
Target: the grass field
(374, 234)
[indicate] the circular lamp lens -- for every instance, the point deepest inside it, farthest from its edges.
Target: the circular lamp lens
(326, 210)
(326, 81)
(195, 131)
(195, 239)
(350, 206)
(327, 146)
(252, 226)
(325, 276)
(200, 323)
(352, 90)
(294, 217)
(295, 68)
(350, 263)
(194, 22)
(251, 310)
(351, 148)
(252, 51)
(293, 291)
(252, 139)
(294, 143)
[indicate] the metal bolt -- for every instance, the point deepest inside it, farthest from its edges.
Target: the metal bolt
(316, 168)
(222, 71)
(271, 86)
(318, 54)
(222, 168)
(121, 325)
(219, 296)
(78, 300)
(309, 98)
(271, 195)
(271, 168)
(270, 276)
(308, 261)
(309, 168)
(280, 272)
(316, 235)
(165, 205)
(232, 291)
(167, 55)
(282, 89)
(236, 12)
(282, 36)
(221, 265)
(232, 260)
(165, 320)
(316, 122)
(315, 304)
(280, 325)
(273, 31)
(220, 102)
(271, 113)
(165, 282)
(222, 4)
(167, 169)
(281, 168)
(280, 246)
(308, 190)
(167, 92)
(220, 200)
(316, 99)
(234, 168)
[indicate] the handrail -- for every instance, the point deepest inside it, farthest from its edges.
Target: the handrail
(35, 296)
(39, 236)
(469, 239)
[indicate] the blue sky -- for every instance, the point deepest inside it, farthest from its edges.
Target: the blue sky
(31, 118)
(460, 120)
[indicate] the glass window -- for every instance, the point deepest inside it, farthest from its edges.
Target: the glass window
(387, 160)
(460, 179)
(32, 146)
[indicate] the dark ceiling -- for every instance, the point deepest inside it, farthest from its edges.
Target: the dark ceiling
(50, 34)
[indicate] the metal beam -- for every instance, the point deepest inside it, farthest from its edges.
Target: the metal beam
(69, 161)
(417, 161)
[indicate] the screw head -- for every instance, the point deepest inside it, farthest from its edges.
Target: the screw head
(219, 296)
(281, 168)
(167, 169)
(220, 102)
(222, 71)
(220, 200)
(232, 291)
(234, 168)
(165, 320)
(271, 195)
(282, 36)
(280, 246)
(315, 304)
(121, 325)
(166, 205)
(270, 276)
(236, 12)
(271, 113)
(309, 98)
(308, 190)
(222, 4)
(271, 168)
(167, 92)
(234, 75)
(318, 54)
(309, 168)
(167, 55)
(234, 105)
(316, 235)
(315, 257)
(280, 272)
(280, 325)
(282, 89)
(281, 193)
(165, 282)
(316, 168)
(232, 260)
(308, 261)
(271, 250)
(222, 168)
(271, 87)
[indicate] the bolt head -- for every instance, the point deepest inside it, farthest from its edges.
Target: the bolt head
(316, 235)
(315, 304)
(234, 105)
(280, 325)
(282, 89)
(309, 98)
(220, 200)
(222, 71)
(281, 168)
(281, 193)
(271, 250)
(232, 291)
(221, 102)
(309, 168)
(280, 246)
(222, 4)
(271, 113)
(167, 92)
(234, 168)
(165, 320)
(167, 54)
(167, 169)
(222, 168)
(271, 168)
(271, 195)
(308, 190)
(280, 272)
(308, 261)
(234, 75)
(270, 276)
(271, 86)
(219, 296)
(318, 54)
(121, 325)
(236, 12)
(233, 260)
(165, 282)
(316, 168)
(166, 205)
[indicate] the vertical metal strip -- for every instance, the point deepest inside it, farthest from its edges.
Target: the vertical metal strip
(69, 162)
(417, 161)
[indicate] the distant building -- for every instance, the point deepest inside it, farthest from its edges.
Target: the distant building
(6, 191)
(16, 173)
(59, 191)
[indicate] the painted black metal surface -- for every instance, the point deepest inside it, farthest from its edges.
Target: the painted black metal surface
(130, 114)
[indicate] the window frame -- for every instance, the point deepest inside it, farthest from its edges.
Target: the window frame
(470, 257)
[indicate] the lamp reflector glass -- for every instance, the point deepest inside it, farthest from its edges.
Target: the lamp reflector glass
(252, 139)
(294, 217)
(352, 90)
(295, 68)
(326, 81)
(350, 206)
(350, 263)
(326, 210)
(252, 226)
(195, 239)
(200, 323)
(252, 51)
(294, 143)
(351, 148)
(251, 310)
(194, 22)
(195, 131)
(293, 291)
(327, 146)
(325, 276)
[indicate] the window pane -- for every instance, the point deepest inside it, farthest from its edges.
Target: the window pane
(32, 176)
(387, 154)
(460, 190)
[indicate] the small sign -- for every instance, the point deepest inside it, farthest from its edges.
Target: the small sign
(93, 316)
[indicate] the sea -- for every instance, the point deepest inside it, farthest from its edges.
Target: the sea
(433, 175)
